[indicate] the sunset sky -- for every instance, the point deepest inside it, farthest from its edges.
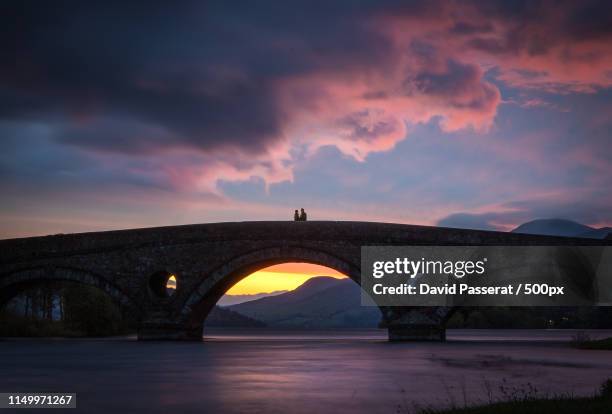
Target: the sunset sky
(287, 276)
(481, 114)
(281, 277)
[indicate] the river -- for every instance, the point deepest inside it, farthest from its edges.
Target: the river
(301, 372)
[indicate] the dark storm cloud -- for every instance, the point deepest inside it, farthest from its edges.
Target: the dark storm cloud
(536, 27)
(207, 73)
(591, 20)
(203, 72)
(144, 63)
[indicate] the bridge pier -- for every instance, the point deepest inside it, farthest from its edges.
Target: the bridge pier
(415, 323)
(162, 325)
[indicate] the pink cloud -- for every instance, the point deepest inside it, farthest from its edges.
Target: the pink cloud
(363, 109)
(429, 62)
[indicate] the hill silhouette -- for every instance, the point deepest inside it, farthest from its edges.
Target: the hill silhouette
(321, 302)
(561, 227)
(222, 317)
(229, 300)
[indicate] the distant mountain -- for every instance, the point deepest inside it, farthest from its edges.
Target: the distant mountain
(561, 227)
(600, 233)
(321, 302)
(221, 317)
(228, 300)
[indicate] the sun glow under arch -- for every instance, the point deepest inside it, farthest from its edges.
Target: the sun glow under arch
(285, 276)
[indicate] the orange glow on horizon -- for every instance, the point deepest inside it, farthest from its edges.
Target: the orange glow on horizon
(286, 276)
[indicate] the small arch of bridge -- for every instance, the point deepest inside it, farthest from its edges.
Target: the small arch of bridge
(13, 283)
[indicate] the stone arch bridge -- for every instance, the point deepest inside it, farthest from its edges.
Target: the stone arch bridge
(132, 265)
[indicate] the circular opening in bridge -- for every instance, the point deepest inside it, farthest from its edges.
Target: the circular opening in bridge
(292, 296)
(163, 284)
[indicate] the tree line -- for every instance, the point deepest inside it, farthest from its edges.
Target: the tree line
(64, 309)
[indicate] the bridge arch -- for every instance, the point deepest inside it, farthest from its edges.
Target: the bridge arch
(12, 283)
(214, 285)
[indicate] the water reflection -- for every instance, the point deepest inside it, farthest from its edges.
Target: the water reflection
(300, 373)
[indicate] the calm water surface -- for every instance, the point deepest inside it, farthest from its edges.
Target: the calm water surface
(297, 372)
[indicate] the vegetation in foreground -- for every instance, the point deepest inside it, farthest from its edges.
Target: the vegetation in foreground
(530, 403)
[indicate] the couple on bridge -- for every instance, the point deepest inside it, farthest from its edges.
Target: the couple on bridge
(301, 216)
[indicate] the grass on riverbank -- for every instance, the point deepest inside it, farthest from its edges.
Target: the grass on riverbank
(593, 405)
(598, 404)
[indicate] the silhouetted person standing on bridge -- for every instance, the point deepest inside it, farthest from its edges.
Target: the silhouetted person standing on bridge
(303, 215)
(296, 216)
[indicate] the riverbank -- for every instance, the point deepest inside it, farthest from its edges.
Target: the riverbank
(598, 404)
